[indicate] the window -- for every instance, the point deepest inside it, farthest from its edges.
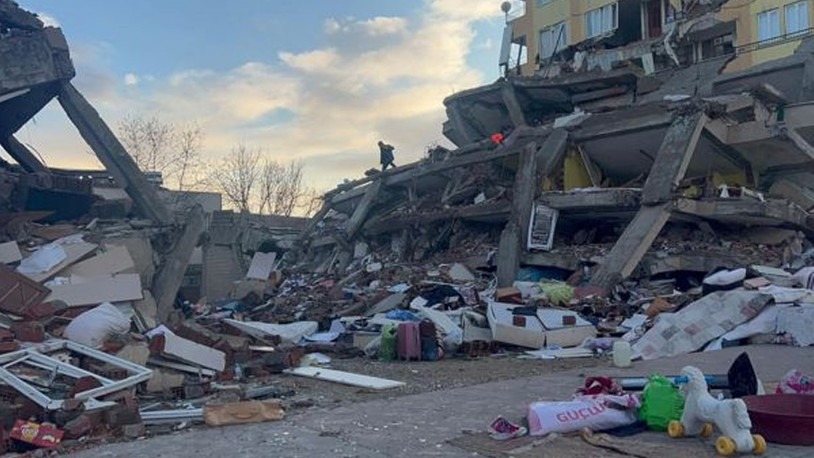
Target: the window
(554, 37)
(718, 46)
(796, 17)
(768, 25)
(601, 20)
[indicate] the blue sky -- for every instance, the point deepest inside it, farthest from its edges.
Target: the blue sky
(316, 80)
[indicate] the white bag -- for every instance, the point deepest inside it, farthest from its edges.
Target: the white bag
(92, 328)
(598, 413)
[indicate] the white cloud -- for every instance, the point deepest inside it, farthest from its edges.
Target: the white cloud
(131, 79)
(380, 78)
(48, 20)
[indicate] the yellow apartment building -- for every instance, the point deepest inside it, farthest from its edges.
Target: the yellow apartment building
(748, 31)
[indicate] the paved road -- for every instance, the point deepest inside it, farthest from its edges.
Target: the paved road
(420, 425)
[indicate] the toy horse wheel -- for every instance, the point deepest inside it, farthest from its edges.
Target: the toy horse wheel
(725, 446)
(707, 431)
(675, 428)
(760, 444)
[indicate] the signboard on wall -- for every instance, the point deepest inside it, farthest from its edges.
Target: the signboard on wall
(542, 226)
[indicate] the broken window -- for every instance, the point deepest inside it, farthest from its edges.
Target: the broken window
(796, 17)
(553, 39)
(768, 25)
(601, 20)
(718, 46)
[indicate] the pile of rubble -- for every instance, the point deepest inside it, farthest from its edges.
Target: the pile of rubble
(623, 211)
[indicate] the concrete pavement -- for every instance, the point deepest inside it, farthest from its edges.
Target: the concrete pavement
(421, 424)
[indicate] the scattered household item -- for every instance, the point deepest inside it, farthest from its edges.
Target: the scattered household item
(502, 429)
(662, 402)
(783, 418)
(702, 411)
(236, 413)
(621, 353)
(93, 327)
(598, 413)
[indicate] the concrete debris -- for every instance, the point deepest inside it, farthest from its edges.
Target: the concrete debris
(622, 191)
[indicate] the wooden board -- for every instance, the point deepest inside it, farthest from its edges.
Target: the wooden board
(10, 253)
(74, 251)
(95, 290)
(194, 353)
(345, 378)
(115, 260)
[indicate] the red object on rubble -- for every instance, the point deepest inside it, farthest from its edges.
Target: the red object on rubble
(782, 418)
(498, 138)
(600, 385)
(42, 435)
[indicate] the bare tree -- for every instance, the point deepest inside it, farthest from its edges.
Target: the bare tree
(237, 176)
(281, 189)
(188, 166)
(159, 146)
(310, 202)
(150, 141)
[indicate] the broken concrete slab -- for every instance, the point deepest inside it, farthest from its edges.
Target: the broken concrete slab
(164, 381)
(170, 345)
(459, 273)
(112, 154)
(95, 290)
(261, 266)
(10, 253)
(168, 282)
(387, 304)
(115, 260)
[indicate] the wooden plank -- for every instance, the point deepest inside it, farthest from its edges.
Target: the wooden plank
(345, 378)
(17, 292)
(94, 291)
(74, 251)
(262, 265)
(115, 260)
(632, 245)
(673, 158)
(10, 252)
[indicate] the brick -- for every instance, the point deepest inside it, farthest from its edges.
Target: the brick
(134, 431)
(510, 295)
(80, 426)
(7, 347)
(84, 384)
(6, 335)
(29, 331)
(39, 312)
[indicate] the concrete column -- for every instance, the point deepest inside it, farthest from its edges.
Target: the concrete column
(112, 154)
(22, 155)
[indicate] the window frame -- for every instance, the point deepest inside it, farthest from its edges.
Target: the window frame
(553, 31)
(796, 6)
(609, 12)
(768, 14)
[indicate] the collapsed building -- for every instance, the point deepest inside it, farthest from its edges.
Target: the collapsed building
(614, 165)
(623, 165)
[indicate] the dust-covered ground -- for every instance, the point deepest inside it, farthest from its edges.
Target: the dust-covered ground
(422, 377)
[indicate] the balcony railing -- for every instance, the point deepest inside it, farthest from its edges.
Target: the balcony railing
(779, 40)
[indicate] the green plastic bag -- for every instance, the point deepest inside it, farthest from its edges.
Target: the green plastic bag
(662, 402)
(559, 294)
(387, 349)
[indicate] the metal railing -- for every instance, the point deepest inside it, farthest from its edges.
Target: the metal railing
(778, 40)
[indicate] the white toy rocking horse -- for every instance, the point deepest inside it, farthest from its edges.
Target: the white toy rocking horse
(701, 411)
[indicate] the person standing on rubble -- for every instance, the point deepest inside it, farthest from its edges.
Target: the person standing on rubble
(386, 156)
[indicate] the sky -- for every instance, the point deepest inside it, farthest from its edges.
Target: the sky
(314, 80)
